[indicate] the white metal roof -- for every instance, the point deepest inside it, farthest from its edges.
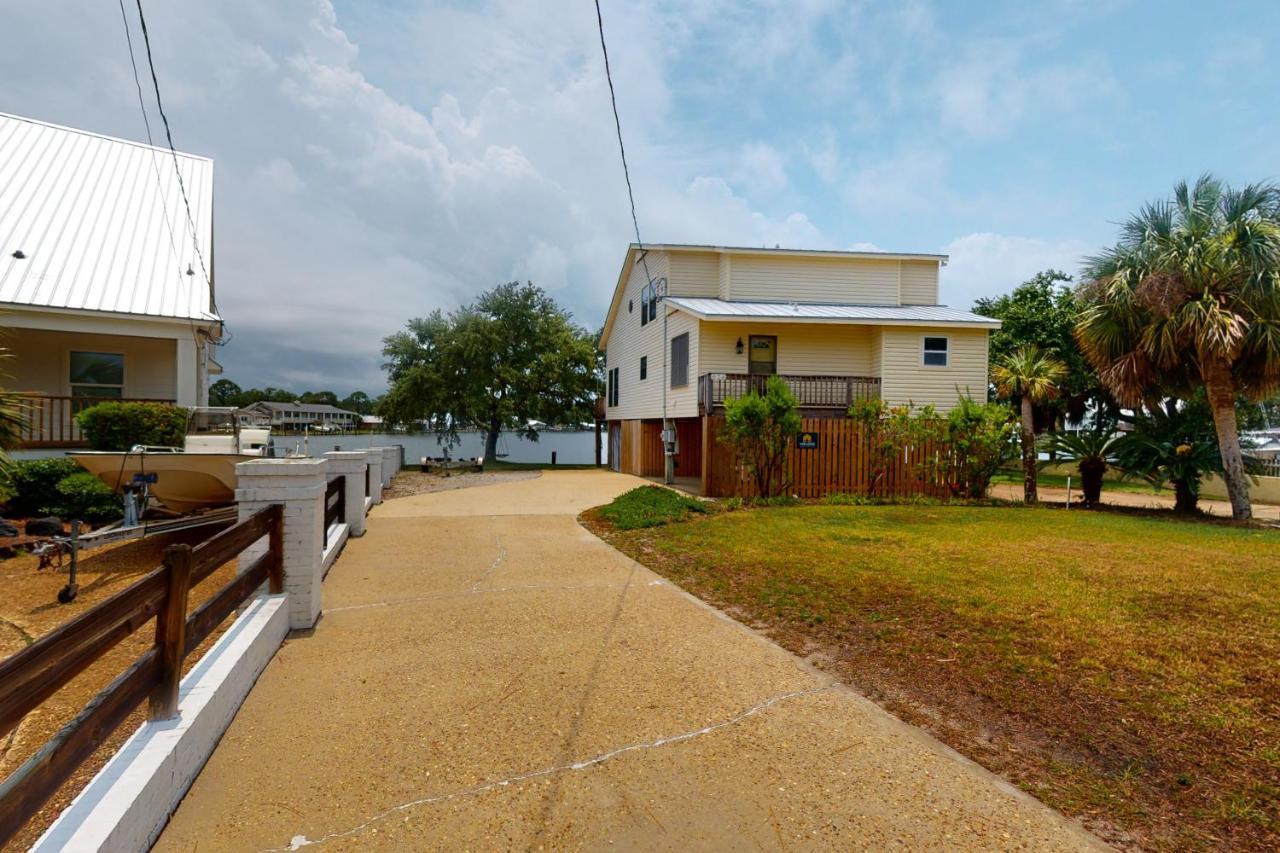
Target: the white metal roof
(778, 250)
(805, 312)
(101, 223)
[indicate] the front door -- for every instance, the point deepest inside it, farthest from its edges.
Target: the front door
(762, 360)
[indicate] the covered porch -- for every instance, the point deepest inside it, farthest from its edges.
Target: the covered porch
(818, 395)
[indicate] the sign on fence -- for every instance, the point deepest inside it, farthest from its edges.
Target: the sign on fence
(807, 441)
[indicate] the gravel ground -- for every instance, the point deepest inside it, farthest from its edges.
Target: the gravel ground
(407, 483)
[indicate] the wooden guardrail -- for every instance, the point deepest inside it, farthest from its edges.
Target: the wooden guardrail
(41, 669)
(811, 392)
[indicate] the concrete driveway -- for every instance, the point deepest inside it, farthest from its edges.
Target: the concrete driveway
(489, 675)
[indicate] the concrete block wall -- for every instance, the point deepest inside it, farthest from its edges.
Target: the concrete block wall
(374, 457)
(350, 465)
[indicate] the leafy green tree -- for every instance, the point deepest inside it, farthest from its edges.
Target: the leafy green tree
(358, 402)
(1032, 376)
(510, 358)
(1042, 312)
(1190, 297)
(319, 398)
(981, 434)
(760, 428)
(224, 392)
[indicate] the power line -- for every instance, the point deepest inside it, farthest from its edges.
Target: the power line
(622, 149)
(195, 239)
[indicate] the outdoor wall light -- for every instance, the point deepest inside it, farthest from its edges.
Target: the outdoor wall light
(18, 254)
(739, 346)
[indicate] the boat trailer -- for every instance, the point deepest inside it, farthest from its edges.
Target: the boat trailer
(132, 526)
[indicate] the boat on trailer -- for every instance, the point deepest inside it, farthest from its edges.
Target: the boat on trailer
(196, 476)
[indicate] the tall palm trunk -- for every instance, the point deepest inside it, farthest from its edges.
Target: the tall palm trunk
(1222, 402)
(1029, 494)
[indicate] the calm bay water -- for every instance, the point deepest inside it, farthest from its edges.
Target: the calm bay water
(571, 448)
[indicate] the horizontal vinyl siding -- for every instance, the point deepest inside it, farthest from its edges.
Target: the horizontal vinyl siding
(681, 402)
(41, 362)
(628, 341)
(919, 283)
(904, 379)
(725, 272)
(822, 280)
(817, 350)
(695, 274)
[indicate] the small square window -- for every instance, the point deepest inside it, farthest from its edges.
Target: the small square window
(936, 352)
(644, 367)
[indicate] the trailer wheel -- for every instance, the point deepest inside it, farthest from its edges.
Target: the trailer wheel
(67, 594)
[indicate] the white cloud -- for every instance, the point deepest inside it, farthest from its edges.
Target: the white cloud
(761, 168)
(986, 264)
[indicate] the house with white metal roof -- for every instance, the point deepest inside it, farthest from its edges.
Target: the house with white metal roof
(106, 273)
(690, 326)
(299, 415)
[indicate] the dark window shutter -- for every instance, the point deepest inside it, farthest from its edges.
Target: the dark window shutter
(680, 360)
(644, 367)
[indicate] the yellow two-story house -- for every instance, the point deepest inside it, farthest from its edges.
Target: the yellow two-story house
(690, 326)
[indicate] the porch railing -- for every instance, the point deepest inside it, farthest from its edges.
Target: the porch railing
(50, 421)
(812, 392)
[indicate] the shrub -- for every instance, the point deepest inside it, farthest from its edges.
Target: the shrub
(34, 483)
(760, 428)
(119, 426)
(981, 434)
(84, 496)
(650, 506)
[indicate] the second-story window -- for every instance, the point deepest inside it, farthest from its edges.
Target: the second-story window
(680, 360)
(644, 303)
(653, 302)
(644, 367)
(936, 351)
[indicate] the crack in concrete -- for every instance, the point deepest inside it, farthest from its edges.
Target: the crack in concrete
(300, 841)
(502, 552)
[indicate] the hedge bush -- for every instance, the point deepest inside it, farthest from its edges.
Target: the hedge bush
(34, 483)
(84, 496)
(650, 506)
(118, 426)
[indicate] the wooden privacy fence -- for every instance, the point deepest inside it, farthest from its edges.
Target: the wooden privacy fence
(849, 458)
(41, 669)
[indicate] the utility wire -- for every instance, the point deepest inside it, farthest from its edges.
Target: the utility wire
(195, 240)
(622, 149)
(155, 167)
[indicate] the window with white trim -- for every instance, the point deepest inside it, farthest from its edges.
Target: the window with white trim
(97, 374)
(644, 304)
(937, 351)
(680, 360)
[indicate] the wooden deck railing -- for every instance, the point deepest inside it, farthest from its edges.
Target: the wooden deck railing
(335, 503)
(50, 421)
(812, 392)
(42, 668)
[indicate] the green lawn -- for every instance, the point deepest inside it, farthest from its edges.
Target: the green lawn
(1124, 668)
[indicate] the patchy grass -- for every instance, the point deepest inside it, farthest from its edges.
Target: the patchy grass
(1123, 668)
(649, 506)
(504, 465)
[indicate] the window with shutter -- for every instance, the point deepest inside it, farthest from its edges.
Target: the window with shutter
(680, 360)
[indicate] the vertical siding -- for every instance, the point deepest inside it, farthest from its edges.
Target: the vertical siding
(861, 281)
(904, 378)
(802, 348)
(919, 283)
(695, 274)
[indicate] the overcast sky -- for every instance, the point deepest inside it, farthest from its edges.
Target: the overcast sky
(376, 160)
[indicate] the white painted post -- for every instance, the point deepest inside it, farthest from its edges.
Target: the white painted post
(373, 456)
(390, 465)
(350, 464)
(299, 484)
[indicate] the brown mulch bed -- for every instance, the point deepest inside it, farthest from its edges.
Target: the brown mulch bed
(408, 483)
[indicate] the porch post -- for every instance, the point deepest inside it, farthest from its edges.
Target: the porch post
(350, 465)
(188, 372)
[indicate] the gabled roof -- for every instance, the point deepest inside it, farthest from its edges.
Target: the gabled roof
(100, 224)
(801, 312)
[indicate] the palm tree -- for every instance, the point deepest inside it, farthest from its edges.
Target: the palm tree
(1092, 451)
(1189, 297)
(1171, 444)
(1032, 375)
